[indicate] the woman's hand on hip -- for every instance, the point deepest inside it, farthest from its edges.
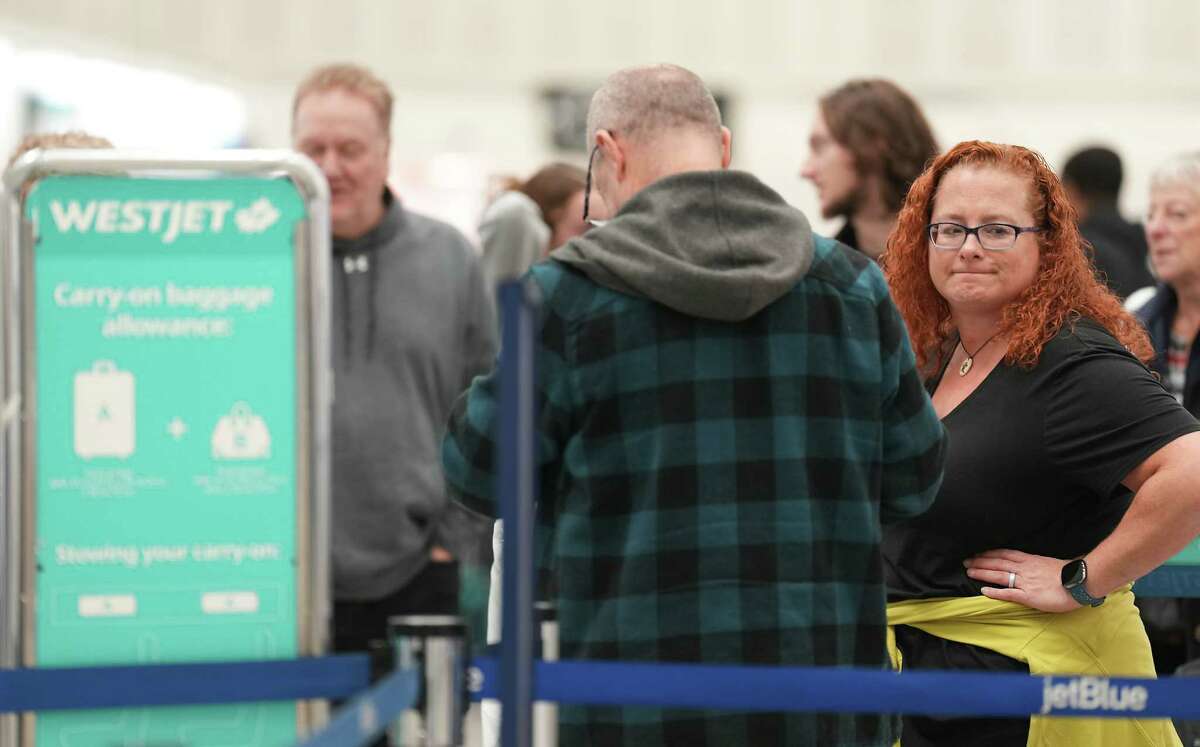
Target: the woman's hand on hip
(1035, 580)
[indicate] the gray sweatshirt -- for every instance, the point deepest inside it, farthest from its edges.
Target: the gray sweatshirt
(412, 324)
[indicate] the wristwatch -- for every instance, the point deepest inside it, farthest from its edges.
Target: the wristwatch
(1074, 576)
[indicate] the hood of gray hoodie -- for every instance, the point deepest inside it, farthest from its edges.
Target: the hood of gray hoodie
(711, 244)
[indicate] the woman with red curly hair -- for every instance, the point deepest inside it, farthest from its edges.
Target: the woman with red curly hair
(1070, 473)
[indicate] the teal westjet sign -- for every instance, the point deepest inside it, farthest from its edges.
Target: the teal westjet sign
(166, 441)
(1190, 555)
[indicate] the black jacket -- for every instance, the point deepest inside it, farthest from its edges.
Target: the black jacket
(1119, 251)
(1158, 314)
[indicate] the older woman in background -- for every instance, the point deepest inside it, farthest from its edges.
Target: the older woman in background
(1070, 471)
(1172, 315)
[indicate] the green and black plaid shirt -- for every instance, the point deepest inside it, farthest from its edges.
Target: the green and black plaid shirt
(714, 492)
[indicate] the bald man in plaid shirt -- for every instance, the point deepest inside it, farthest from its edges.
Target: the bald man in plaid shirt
(729, 411)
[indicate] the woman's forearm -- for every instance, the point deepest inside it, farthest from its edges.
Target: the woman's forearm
(1163, 518)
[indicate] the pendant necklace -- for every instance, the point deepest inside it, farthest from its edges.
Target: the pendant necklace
(969, 361)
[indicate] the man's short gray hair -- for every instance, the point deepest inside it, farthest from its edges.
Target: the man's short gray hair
(1182, 170)
(644, 102)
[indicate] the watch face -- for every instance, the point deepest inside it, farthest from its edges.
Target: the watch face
(1074, 573)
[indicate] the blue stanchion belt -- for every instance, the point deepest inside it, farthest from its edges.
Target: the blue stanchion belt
(363, 718)
(849, 690)
(1170, 581)
(47, 689)
(602, 683)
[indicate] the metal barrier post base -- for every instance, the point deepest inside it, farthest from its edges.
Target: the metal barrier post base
(435, 645)
(545, 713)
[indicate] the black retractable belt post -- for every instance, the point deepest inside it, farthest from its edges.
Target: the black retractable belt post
(435, 645)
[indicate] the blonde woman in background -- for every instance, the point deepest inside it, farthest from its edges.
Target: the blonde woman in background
(49, 140)
(54, 141)
(529, 219)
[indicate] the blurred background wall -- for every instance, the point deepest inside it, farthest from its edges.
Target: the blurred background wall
(483, 87)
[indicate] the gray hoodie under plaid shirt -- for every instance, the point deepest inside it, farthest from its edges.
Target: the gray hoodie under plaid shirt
(729, 412)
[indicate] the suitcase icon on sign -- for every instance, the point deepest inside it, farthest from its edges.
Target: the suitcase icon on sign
(104, 412)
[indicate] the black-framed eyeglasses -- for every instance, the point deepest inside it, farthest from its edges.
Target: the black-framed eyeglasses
(995, 237)
(587, 189)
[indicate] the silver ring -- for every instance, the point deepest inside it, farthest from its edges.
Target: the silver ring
(1012, 580)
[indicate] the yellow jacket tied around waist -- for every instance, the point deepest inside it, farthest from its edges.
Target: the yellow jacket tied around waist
(1105, 641)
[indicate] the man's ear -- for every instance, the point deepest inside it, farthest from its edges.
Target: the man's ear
(726, 147)
(611, 150)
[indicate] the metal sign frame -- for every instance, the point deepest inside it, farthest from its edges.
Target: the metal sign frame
(311, 252)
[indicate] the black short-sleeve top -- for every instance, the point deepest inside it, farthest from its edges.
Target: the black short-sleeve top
(1035, 461)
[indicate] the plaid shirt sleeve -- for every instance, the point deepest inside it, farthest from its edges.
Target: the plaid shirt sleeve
(469, 448)
(914, 440)
(463, 532)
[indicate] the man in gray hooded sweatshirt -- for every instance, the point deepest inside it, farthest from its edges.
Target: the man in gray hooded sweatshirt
(412, 323)
(729, 408)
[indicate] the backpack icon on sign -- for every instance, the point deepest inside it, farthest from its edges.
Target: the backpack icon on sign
(104, 412)
(241, 435)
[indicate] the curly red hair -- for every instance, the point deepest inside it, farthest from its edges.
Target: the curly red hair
(1064, 291)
